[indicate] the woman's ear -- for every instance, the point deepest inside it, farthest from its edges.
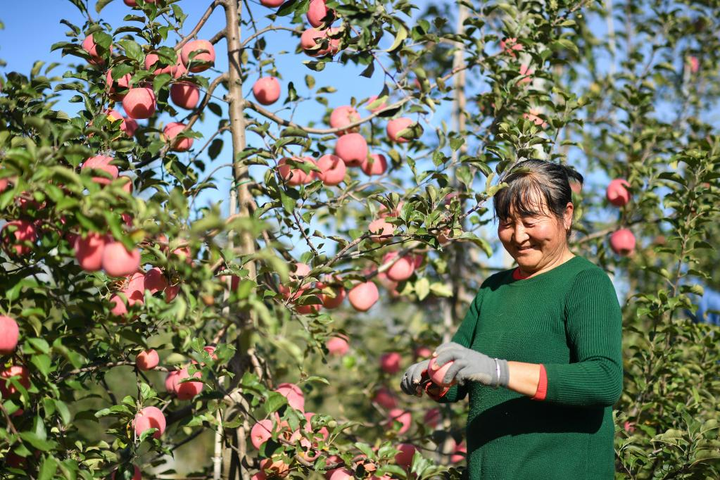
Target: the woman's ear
(568, 215)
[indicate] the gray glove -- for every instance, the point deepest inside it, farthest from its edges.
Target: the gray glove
(472, 366)
(410, 383)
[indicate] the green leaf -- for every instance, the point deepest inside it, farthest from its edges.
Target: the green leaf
(215, 148)
(422, 288)
(400, 36)
(102, 4)
(274, 402)
(48, 469)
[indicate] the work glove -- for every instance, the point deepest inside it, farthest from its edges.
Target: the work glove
(470, 365)
(414, 376)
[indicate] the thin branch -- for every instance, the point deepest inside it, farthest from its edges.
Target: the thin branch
(203, 20)
(265, 30)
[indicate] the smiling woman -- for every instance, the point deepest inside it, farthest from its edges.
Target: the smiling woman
(549, 332)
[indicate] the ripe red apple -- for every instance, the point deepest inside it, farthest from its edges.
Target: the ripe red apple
(459, 453)
(432, 417)
(89, 251)
(312, 38)
(266, 90)
(399, 415)
(423, 352)
(323, 432)
(152, 60)
(328, 301)
(275, 468)
(136, 471)
(437, 375)
(385, 398)
(390, 362)
(203, 58)
(147, 418)
(117, 261)
(400, 270)
(394, 127)
(343, 116)
(100, 163)
(90, 47)
(271, 3)
(407, 452)
(363, 296)
(15, 234)
(155, 281)
(622, 242)
(375, 164)
(333, 170)
(294, 395)
(147, 359)
(617, 192)
(509, 46)
(119, 308)
(171, 131)
(261, 432)
(382, 211)
(527, 72)
(122, 82)
(352, 148)
(7, 388)
(139, 102)
(317, 11)
(337, 346)
(339, 474)
(295, 176)
(9, 334)
(128, 125)
(185, 95)
(381, 230)
(534, 116)
(372, 100)
(188, 389)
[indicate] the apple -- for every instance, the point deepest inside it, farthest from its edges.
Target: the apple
(509, 46)
(185, 95)
(405, 457)
(372, 100)
(534, 116)
(617, 193)
(117, 261)
(147, 359)
(119, 308)
(312, 38)
(363, 296)
(122, 82)
(333, 170)
(147, 418)
(101, 163)
(133, 3)
(89, 251)
(432, 417)
(266, 90)
(437, 375)
(382, 212)
(337, 346)
(390, 362)
(7, 388)
(459, 453)
(177, 70)
(198, 55)
(139, 102)
(171, 292)
(328, 301)
(128, 125)
(399, 415)
(402, 269)
(394, 127)
(261, 432)
(136, 471)
(423, 352)
(90, 47)
(381, 230)
(276, 467)
(317, 11)
(294, 395)
(339, 474)
(343, 116)
(526, 71)
(694, 64)
(171, 131)
(385, 398)
(375, 164)
(188, 389)
(622, 242)
(16, 234)
(295, 176)
(9, 334)
(352, 148)
(271, 3)
(155, 281)
(323, 432)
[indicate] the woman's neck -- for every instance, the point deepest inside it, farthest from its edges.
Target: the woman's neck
(564, 257)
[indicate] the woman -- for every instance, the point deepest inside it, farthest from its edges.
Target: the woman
(549, 332)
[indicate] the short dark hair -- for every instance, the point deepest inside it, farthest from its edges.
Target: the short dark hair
(531, 180)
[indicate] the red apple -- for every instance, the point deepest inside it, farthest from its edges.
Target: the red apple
(147, 359)
(534, 116)
(139, 102)
(405, 457)
(339, 474)
(337, 346)
(317, 11)
(312, 38)
(15, 236)
(381, 230)
(617, 193)
(402, 269)
(9, 334)
(117, 261)
(122, 82)
(171, 131)
(89, 251)
(328, 301)
(375, 164)
(266, 90)
(147, 418)
(527, 72)
(294, 395)
(7, 388)
(185, 95)
(390, 362)
(398, 415)
(198, 55)
(385, 398)
(90, 47)
(509, 46)
(363, 296)
(152, 60)
(333, 170)
(119, 308)
(155, 281)
(188, 389)
(352, 148)
(295, 176)
(394, 127)
(343, 116)
(423, 352)
(271, 3)
(101, 163)
(437, 375)
(622, 242)
(459, 453)
(432, 417)
(372, 100)
(261, 432)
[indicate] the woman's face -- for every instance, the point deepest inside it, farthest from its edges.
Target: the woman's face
(537, 243)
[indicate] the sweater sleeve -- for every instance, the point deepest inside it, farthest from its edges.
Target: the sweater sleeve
(464, 336)
(594, 333)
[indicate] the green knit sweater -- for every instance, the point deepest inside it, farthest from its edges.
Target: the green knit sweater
(569, 320)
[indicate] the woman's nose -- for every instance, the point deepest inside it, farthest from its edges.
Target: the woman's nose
(519, 234)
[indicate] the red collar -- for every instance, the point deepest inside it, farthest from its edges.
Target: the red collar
(518, 275)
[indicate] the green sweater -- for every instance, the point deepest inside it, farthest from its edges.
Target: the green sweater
(569, 320)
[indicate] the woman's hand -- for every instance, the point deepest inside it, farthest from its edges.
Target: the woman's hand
(410, 383)
(470, 365)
